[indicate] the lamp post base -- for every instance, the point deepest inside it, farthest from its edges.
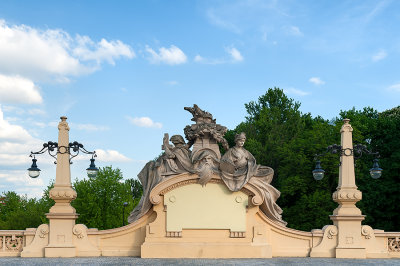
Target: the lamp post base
(59, 251)
(60, 235)
(351, 253)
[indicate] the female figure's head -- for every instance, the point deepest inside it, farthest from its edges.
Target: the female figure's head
(240, 139)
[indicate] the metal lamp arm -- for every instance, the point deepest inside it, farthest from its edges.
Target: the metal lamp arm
(73, 150)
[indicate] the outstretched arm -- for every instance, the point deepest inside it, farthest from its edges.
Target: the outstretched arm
(167, 147)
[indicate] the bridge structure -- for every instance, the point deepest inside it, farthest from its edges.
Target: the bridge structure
(192, 220)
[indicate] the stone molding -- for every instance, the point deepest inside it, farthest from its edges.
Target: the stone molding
(174, 182)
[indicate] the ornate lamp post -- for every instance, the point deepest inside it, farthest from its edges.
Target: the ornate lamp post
(347, 217)
(62, 215)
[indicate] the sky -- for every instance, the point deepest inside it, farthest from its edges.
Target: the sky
(122, 71)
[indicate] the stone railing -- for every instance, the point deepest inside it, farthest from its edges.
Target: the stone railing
(392, 241)
(394, 244)
(11, 242)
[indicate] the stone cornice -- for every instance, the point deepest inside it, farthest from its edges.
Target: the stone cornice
(187, 179)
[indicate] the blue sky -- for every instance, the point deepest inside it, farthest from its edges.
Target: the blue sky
(122, 71)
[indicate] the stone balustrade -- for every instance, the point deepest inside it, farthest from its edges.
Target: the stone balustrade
(11, 242)
(394, 243)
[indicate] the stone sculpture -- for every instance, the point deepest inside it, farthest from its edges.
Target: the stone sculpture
(236, 168)
(206, 165)
(175, 160)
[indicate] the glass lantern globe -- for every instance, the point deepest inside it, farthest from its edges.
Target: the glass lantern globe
(375, 171)
(318, 172)
(33, 171)
(92, 170)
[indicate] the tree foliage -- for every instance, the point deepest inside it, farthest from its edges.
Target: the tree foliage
(99, 203)
(282, 137)
(101, 199)
(19, 212)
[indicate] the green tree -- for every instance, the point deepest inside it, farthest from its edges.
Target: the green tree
(19, 212)
(280, 136)
(136, 189)
(381, 197)
(100, 199)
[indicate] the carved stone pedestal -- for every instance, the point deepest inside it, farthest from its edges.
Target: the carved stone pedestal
(61, 235)
(349, 237)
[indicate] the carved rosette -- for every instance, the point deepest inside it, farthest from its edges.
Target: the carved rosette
(331, 231)
(43, 231)
(79, 231)
(394, 244)
(366, 231)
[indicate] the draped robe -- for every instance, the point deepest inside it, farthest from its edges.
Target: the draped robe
(175, 161)
(238, 167)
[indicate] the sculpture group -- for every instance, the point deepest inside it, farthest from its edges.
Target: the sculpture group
(236, 167)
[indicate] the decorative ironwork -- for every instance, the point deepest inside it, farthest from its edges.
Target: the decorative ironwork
(53, 149)
(357, 151)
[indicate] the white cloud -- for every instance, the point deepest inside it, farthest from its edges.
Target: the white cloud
(52, 54)
(13, 133)
(198, 58)
(39, 124)
(14, 159)
(15, 143)
(144, 122)
(317, 81)
(110, 156)
(379, 56)
(21, 182)
(395, 87)
(101, 51)
(13, 109)
(211, 61)
(235, 54)
(15, 89)
(36, 111)
(234, 57)
(295, 91)
(170, 56)
(293, 30)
